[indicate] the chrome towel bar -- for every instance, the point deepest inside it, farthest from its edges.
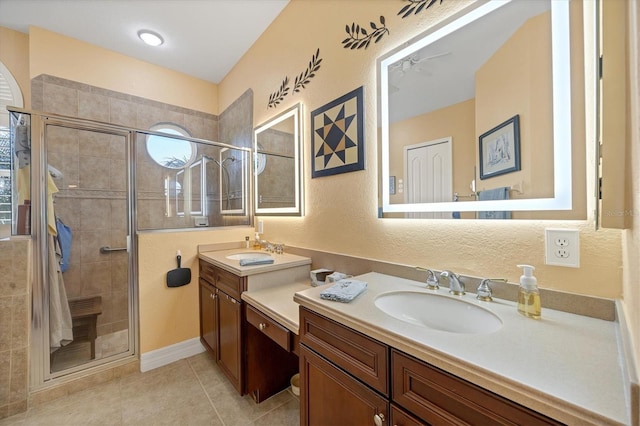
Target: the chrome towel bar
(107, 249)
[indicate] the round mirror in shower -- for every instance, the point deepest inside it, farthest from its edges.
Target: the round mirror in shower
(170, 152)
(260, 161)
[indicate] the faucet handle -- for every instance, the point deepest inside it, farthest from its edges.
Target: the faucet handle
(484, 291)
(432, 279)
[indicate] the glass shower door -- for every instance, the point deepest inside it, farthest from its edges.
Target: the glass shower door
(89, 249)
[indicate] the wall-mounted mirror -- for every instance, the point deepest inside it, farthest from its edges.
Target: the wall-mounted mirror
(476, 115)
(278, 164)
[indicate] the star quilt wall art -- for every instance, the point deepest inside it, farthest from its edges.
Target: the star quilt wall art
(337, 136)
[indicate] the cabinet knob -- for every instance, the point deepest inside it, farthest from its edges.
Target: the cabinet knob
(262, 326)
(378, 419)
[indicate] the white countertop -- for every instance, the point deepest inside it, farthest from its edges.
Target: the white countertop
(277, 302)
(281, 261)
(566, 366)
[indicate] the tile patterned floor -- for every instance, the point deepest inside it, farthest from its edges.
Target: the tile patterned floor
(192, 391)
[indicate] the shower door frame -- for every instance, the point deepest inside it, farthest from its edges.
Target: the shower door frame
(40, 369)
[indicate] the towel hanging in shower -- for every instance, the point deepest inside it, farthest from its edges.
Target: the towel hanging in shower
(64, 241)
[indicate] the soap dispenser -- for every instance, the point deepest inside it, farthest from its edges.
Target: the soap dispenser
(256, 242)
(528, 294)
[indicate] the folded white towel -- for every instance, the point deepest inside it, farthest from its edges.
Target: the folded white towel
(344, 290)
(255, 261)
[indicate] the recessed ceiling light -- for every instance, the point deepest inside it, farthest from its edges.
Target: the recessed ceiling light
(150, 37)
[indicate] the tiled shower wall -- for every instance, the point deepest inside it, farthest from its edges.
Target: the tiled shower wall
(14, 326)
(92, 197)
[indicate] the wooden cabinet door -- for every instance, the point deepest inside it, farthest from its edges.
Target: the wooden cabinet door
(208, 318)
(230, 339)
(329, 396)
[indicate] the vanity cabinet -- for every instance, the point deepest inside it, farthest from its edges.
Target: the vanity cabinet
(349, 378)
(221, 320)
(270, 360)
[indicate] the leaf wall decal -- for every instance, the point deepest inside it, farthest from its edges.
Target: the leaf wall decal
(416, 6)
(359, 37)
(300, 82)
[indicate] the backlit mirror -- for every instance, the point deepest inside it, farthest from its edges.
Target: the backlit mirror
(476, 115)
(277, 164)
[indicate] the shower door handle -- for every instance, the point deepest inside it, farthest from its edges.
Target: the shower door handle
(107, 249)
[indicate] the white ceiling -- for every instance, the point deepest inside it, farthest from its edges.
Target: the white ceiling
(445, 72)
(203, 38)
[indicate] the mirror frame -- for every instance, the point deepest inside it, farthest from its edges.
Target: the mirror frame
(295, 112)
(561, 74)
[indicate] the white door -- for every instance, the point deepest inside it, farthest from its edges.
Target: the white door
(429, 177)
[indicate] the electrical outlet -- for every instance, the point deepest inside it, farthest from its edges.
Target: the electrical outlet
(562, 247)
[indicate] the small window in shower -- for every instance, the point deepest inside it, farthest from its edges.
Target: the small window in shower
(170, 152)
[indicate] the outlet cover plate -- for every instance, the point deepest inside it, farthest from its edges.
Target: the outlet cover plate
(562, 247)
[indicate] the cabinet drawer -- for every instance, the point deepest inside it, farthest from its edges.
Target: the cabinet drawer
(231, 284)
(399, 417)
(359, 355)
(438, 397)
(208, 272)
(271, 328)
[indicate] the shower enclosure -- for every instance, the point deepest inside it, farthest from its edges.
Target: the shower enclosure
(82, 189)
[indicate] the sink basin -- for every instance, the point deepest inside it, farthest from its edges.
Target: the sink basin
(249, 255)
(438, 312)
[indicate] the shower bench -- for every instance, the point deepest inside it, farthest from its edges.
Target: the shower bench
(84, 318)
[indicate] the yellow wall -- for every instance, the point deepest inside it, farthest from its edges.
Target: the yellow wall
(14, 54)
(455, 121)
(517, 79)
(65, 57)
(170, 315)
(342, 210)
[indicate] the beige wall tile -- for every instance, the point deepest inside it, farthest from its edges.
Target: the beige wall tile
(123, 112)
(93, 106)
(96, 278)
(95, 214)
(19, 376)
(5, 377)
(90, 244)
(94, 144)
(20, 322)
(62, 100)
(94, 172)
(6, 305)
(117, 175)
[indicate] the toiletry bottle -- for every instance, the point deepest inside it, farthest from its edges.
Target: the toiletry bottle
(528, 294)
(256, 242)
(246, 242)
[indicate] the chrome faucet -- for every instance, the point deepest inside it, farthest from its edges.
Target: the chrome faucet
(484, 291)
(455, 285)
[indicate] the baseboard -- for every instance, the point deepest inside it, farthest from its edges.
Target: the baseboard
(168, 354)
